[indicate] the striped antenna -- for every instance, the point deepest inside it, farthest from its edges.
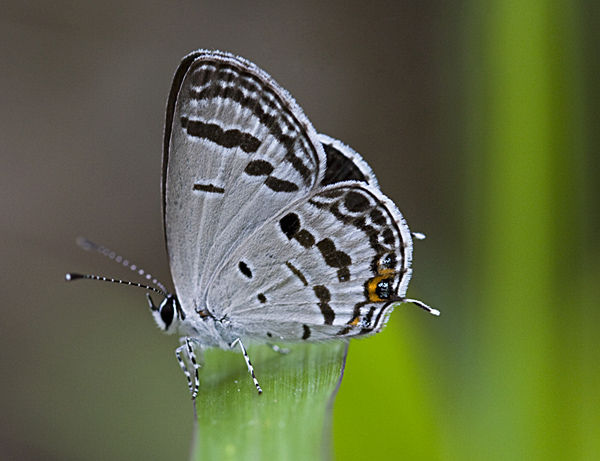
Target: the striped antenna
(74, 276)
(88, 245)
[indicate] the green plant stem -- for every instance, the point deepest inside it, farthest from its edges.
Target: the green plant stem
(291, 420)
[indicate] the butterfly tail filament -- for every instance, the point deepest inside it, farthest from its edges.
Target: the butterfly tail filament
(423, 306)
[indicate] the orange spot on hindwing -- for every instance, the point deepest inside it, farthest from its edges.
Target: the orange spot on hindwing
(380, 287)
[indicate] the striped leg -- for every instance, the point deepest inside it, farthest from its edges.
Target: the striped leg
(183, 366)
(248, 363)
(192, 356)
(188, 346)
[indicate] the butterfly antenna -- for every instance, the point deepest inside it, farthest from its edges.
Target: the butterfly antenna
(88, 245)
(73, 276)
(423, 306)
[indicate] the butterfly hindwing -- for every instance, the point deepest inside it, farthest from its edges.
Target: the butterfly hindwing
(330, 265)
(237, 151)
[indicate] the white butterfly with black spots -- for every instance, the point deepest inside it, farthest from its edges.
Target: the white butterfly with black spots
(274, 233)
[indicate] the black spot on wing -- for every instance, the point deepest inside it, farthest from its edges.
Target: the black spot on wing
(210, 188)
(216, 134)
(305, 238)
(377, 217)
(244, 269)
(331, 255)
(339, 167)
(356, 202)
(369, 316)
(290, 224)
(306, 332)
(280, 185)
(264, 168)
(387, 261)
(343, 274)
(388, 236)
(258, 168)
(324, 297)
(297, 273)
(384, 289)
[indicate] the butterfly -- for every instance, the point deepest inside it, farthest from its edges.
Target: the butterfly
(274, 233)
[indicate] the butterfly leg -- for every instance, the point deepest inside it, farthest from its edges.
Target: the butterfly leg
(183, 366)
(187, 346)
(280, 350)
(248, 363)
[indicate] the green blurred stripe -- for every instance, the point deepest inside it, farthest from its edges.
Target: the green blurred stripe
(585, 382)
(386, 405)
(522, 115)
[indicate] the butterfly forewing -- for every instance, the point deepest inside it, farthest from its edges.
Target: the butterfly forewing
(237, 151)
(329, 265)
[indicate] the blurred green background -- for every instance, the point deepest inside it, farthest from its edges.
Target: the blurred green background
(480, 120)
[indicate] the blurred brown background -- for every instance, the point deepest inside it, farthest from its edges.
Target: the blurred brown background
(83, 86)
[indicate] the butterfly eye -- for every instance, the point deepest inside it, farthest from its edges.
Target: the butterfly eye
(167, 312)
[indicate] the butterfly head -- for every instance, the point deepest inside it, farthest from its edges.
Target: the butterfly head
(167, 314)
